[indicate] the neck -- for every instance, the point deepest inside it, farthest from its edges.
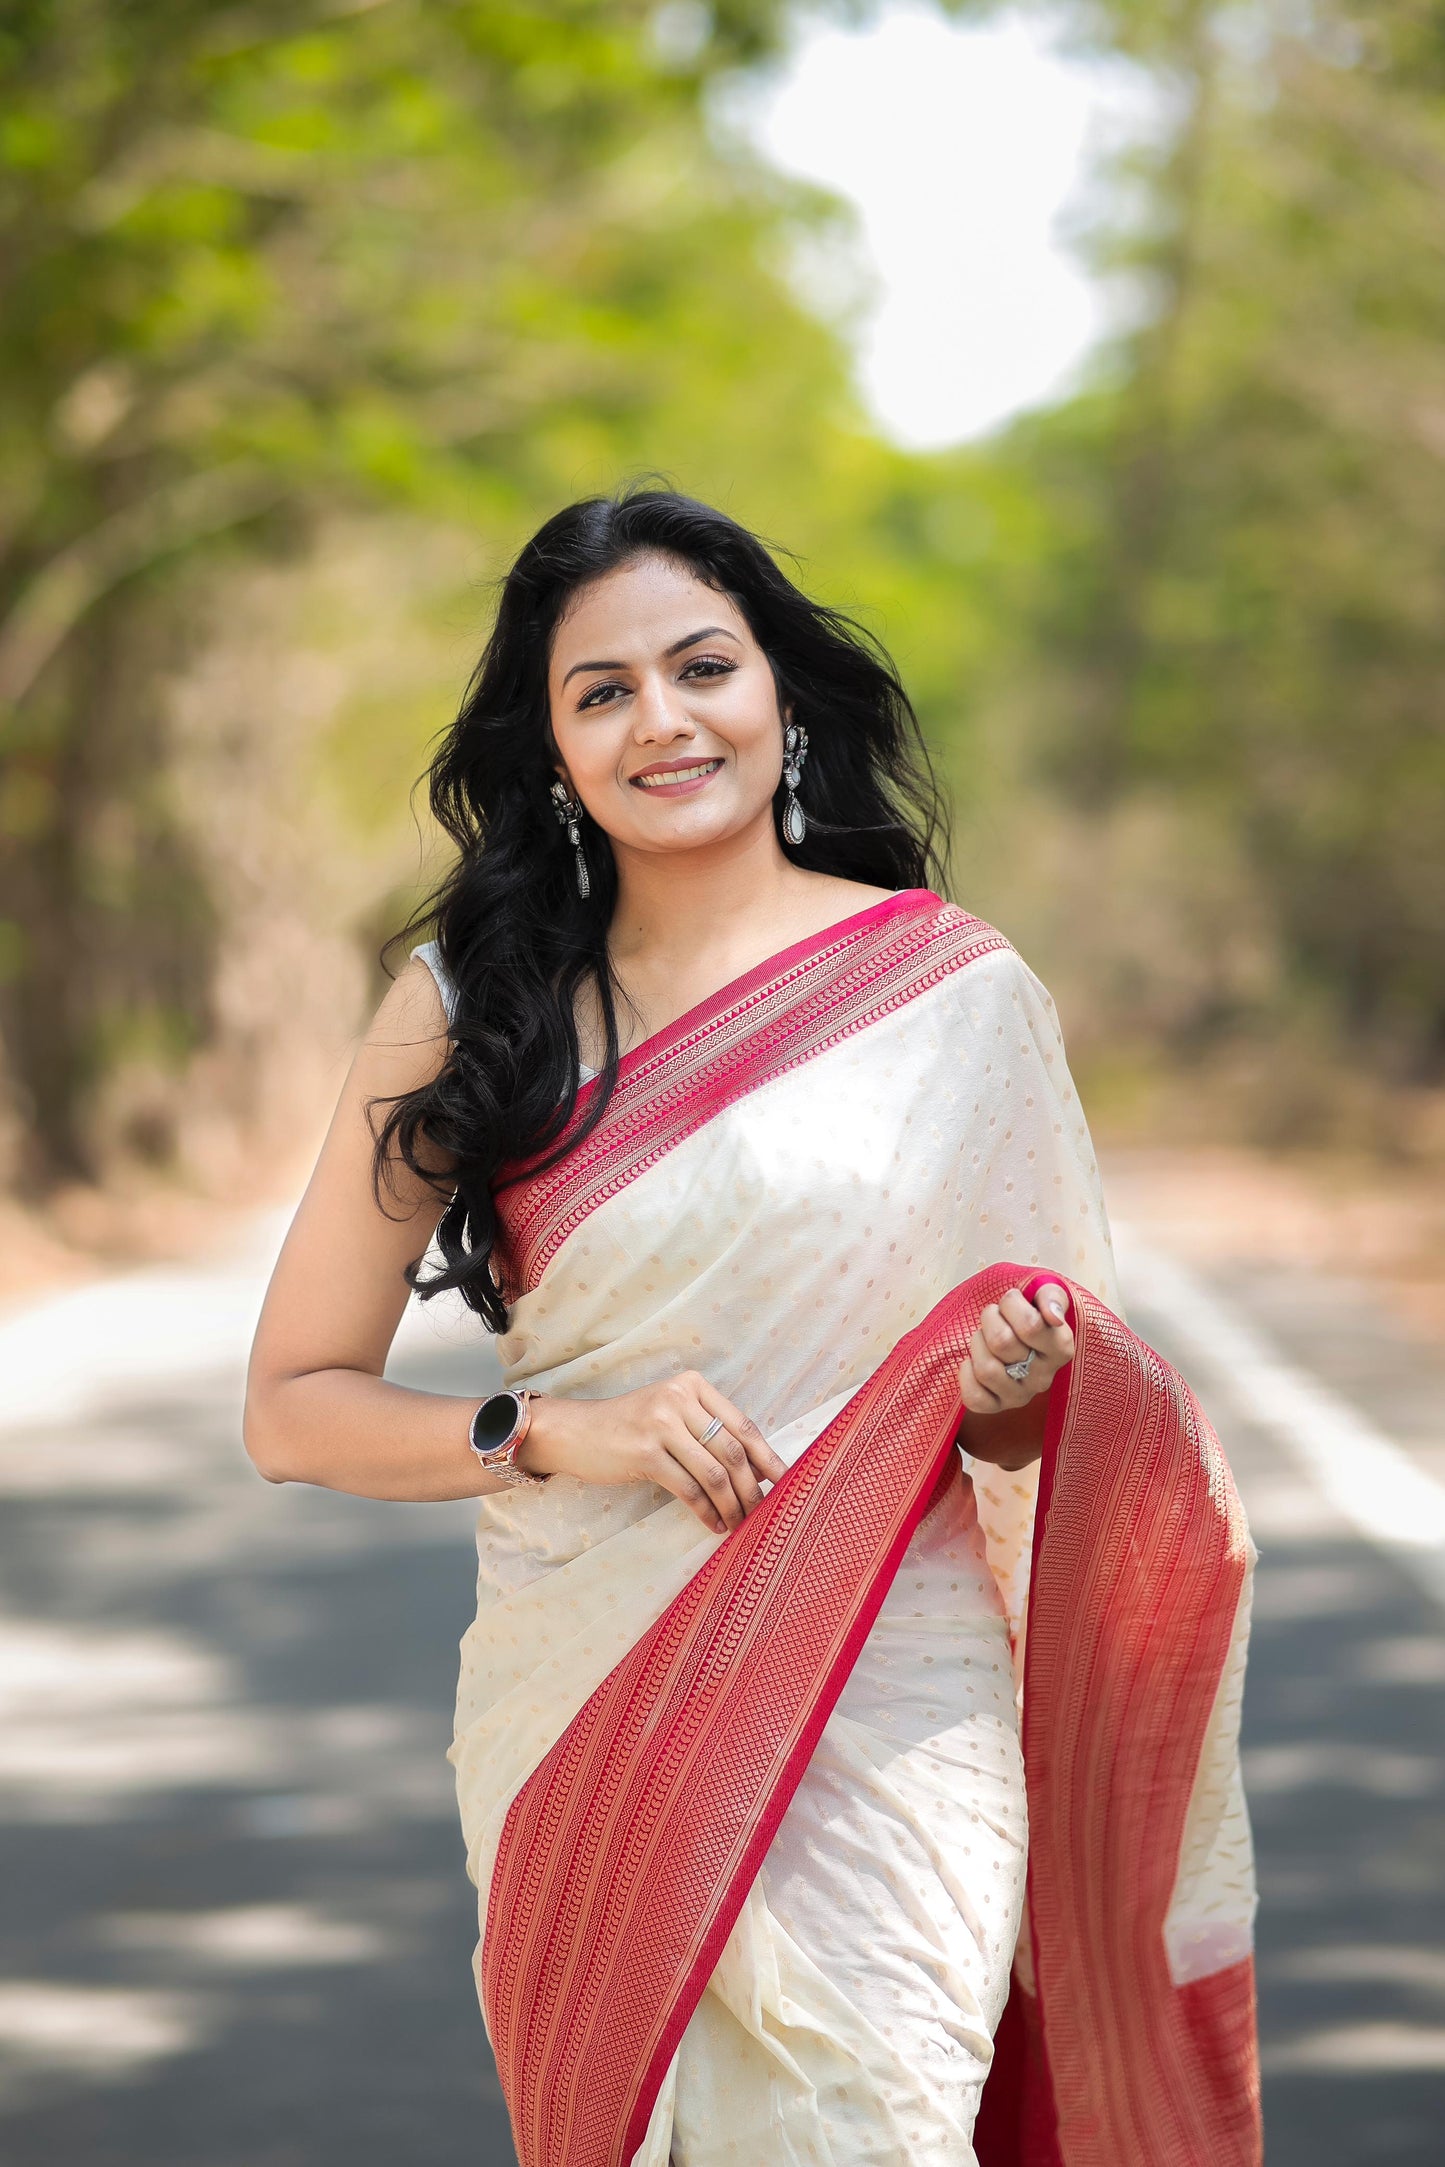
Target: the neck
(692, 901)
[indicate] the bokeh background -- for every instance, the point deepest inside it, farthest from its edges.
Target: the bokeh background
(1092, 353)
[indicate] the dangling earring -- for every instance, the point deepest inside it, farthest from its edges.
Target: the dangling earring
(795, 752)
(569, 811)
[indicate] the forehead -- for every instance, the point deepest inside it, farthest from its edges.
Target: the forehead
(637, 608)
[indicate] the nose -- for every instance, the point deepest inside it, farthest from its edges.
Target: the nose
(659, 715)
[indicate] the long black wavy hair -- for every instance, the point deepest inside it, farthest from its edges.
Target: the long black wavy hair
(515, 936)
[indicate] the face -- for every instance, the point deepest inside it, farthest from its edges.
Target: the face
(664, 709)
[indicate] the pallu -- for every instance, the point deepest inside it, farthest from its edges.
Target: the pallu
(903, 1824)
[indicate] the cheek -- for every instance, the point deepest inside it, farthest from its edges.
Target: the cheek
(588, 747)
(751, 728)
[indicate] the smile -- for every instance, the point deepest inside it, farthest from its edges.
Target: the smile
(669, 780)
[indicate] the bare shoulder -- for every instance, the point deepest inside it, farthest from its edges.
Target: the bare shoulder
(859, 893)
(831, 897)
(405, 1045)
(338, 1287)
(411, 1012)
(403, 1048)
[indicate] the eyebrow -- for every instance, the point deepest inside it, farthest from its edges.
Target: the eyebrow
(689, 639)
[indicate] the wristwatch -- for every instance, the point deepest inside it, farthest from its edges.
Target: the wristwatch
(496, 1432)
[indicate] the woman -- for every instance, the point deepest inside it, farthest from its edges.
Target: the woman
(765, 1165)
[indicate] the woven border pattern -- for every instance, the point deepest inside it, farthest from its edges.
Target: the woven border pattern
(626, 1856)
(1140, 1563)
(783, 1013)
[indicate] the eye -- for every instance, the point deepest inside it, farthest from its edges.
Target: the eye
(715, 665)
(590, 698)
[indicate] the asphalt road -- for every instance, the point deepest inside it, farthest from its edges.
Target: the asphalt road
(237, 1930)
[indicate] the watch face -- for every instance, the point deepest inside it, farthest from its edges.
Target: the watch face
(494, 1421)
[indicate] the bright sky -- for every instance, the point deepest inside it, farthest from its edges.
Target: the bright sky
(960, 148)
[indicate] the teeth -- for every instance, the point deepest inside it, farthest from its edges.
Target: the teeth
(677, 775)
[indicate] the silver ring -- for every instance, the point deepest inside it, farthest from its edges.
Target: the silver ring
(1020, 1369)
(711, 1431)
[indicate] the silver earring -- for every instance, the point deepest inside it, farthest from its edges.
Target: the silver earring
(795, 752)
(569, 811)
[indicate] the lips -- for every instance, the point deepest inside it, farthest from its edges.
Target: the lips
(684, 773)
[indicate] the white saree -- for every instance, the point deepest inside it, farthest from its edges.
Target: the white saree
(790, 1179)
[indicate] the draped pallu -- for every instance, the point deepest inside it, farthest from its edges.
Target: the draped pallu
(616, 1856)
(625, 1857)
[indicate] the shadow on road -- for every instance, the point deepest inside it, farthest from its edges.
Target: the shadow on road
(238, 1927)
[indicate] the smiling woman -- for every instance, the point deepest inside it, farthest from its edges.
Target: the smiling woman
(587, 905)
(675, 750)
(776, 1701)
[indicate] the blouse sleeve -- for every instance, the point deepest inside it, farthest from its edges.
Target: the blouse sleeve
(431, 956)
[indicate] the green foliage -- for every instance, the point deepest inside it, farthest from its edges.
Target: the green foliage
(1250, 614)
(311, 312)
(269, 265)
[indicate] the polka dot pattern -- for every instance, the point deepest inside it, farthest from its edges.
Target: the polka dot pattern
(782, 1250)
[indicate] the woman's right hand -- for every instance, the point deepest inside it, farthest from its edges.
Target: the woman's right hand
(652, 1436)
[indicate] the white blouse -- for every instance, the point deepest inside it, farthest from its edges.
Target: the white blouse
(431, 957)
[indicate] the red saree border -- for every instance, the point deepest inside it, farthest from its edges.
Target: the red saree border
(1139, 1564)
(809, 949)
(787, 1009)
(627, 1855)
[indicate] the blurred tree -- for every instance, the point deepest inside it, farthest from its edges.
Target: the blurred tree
(270, 271)
(261, 262)
(1246, 606)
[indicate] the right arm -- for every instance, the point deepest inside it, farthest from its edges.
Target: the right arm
(318, 1408)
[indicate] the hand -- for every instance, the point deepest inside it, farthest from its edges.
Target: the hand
(652, 1436)
(1006, 1331)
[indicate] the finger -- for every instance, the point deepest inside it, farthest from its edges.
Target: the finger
(1029, 1325)
(990, 1373)
(1055, 1342)
(760, 1453)
(727, 1448)
(672, 1475)
(975, 1394)
(999, 1336)
(686, 1416)
(1054, 1304)
(1060, 1339)
(729, 1451)
(716, 1477)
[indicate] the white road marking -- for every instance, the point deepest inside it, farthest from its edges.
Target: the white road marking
(63, 1355)
(66, 1356)
(1369, 1479)
(248, 1937)
(1354, 2050)
(99, 2031)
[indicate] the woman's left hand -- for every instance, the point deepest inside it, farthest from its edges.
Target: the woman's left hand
(1006, 1331)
